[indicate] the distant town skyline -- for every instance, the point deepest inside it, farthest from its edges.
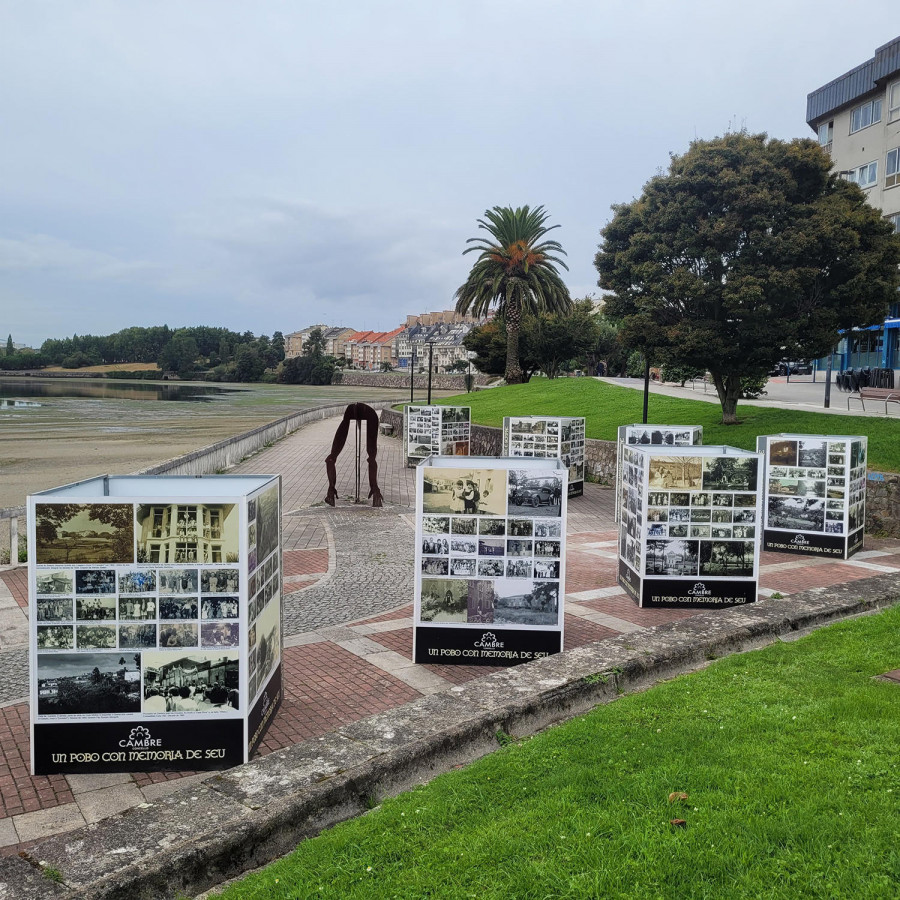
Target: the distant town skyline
(262, 167)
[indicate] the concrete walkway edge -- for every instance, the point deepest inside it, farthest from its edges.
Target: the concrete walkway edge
(238, 820)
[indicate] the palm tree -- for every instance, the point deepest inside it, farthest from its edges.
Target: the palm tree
(516, 272)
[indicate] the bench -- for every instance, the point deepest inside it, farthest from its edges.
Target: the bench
(386, 428)
(887, 395)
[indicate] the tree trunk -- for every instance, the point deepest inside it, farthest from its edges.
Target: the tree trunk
(728, 387)
(514, 373)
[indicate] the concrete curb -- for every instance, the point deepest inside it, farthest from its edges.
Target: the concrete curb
(238, 820)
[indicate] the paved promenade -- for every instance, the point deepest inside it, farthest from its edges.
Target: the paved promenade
(348, 623)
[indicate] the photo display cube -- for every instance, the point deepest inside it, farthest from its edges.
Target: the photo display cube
(690, 530)
(490, 560)
(814, 493)
(155, 622)
(655, 436)
(436, 431)
(548, 437)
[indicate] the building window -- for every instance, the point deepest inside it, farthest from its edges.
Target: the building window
(892, 168)
(865, 176)
(895, 221)
(865, 115)
(826, 135)
(894, 102)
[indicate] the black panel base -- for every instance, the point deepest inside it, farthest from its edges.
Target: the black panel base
(485, 646)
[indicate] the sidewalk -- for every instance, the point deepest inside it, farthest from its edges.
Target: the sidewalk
(348, 623)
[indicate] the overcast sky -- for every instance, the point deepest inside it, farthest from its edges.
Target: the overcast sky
(268, 165)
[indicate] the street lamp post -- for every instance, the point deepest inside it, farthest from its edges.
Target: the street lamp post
(412, 370)
(430, 353)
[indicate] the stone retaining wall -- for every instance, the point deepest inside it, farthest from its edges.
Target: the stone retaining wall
(883, 504)
(439, 382)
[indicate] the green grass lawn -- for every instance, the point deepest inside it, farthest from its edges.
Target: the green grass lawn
(788, 756)
(607, 406)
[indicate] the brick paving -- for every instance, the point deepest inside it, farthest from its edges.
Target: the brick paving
(347, 621)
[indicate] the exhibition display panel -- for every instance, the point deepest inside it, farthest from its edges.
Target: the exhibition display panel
(436, 431)
(652, 435)
(690, 530)
(814, 494)
(490, 560)
(155, 622)
(548, 437)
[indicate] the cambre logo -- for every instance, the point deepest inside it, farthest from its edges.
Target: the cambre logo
(799, 540)
(140, 737)
(489, 642)
(699, 590)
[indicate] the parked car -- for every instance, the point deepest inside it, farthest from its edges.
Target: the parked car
(534, 493)
(792, 367)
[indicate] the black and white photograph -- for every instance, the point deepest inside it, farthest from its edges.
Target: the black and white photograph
(55, 609)
(480, 603)
(178, 581)
(464, 491)
(732, 559)
(463, 545)
(187, 532)
(95, 609)
(721, 515)
(178, 608)
(701, 514)
(546, 568)
(219, 581)
(491, 546)
(745, 500)
(267, 523)
(55, 637)
(439, 525)
(544, 528)
(657, 529)
(675, 472)
(547, 548)
(745, 532)
(490, 568)
(679, 498)
(834, 504)
(529, 492)
(88, 683)
(268, 644)
(783, 453)
(95, 581)
(520, 527)
(680, 514)
(61, 581)
(812, 453)
(95, 637)
(462, 524)
(518, 547)
(444, 600)
(730, 473)
(720, 499)
(518, 602)
(855, 517)
(836, 527)
(671, 557)
(658, 514)
(518, 568)
(199, 682)
(435, 545)
(857, 454)
(679, 531)
(137, 581)
(178, 635)
(136, 637)
(699, 531)
(720, 531)
(658, 498)
(492, 526)
(219, 607)
(68, 533)
(435, 565)
(796, 513)
(463, 567)
(133, 609)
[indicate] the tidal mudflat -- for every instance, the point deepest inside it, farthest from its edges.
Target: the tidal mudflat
(117, 427)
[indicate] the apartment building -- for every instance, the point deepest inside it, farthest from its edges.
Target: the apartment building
(857, 119)
(335, 338)
(369, 349)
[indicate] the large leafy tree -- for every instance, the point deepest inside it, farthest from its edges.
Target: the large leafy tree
(515, 272)
(747, 250)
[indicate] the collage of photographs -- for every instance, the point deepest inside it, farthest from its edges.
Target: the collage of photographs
(816, 484)
(652, 435)
(437, 430)
(547, 437)
(263, 589)
(492, 545)
(688, 515)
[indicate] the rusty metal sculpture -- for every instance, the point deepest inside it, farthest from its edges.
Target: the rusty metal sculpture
(355, 412)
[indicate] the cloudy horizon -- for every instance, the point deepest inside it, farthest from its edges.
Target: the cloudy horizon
(268, 166)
